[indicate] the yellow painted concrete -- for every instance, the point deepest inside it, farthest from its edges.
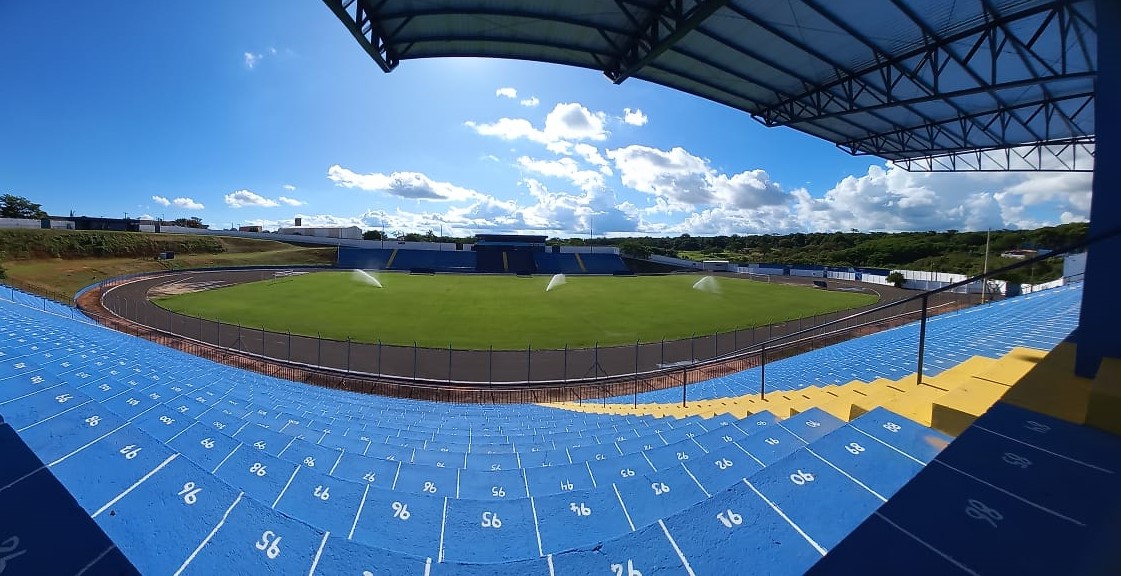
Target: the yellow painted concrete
(955, 410)
(949, 402)
(1052, 388)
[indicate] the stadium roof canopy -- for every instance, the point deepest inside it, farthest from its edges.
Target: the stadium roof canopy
(930, 84)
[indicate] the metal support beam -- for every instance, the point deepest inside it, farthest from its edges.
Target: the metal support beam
(1075, 155)
(365, 29)
(659, 31)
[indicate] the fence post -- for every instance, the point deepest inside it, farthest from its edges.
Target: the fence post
(922, 340)
(414, 361)
(490, 364)
(319, 349)
(595, 364)
(636, 373)
(347, 353)
(763, 373)
(528, 363)
(565, 375)
(449, 362)
(715, 343)
(379, 358)
(289, 345)
(684, 380)
(693, 347)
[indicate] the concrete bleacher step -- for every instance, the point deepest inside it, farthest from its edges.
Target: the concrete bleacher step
(1020, 492)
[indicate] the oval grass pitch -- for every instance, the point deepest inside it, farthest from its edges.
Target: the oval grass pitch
(507, 312)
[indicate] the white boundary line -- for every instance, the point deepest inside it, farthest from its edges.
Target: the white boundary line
(209, 536)
(533, 508)
(358, 514)
(624, 506)
(134, 485)
(676, 548)
(940, 553)
(318, 553)
(847, 475)
(443, 523)
(295, 471)
(775, 507)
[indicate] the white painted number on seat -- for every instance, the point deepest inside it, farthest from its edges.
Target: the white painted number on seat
(977, 510)
(10, 550)
(631, 570)
(659, 488)
(723, 463)
(190, 493)
(1016, 460)
(800, 478)
(258, 469)
(580, 509)
(490, 520)
(401, 511)
(892, 427)
(93, 420)
(1037, 427)
(813, 423)
(270, 544)
(498, 491)
(729, 518)
(626, 472)
(130, 451)
(322, 492)
(854, 448)
(430, 487)
(207, 443)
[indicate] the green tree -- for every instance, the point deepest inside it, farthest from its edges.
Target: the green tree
(634, 249)
(897, 279)
(192, 222)
(373, 235)
(19, 207)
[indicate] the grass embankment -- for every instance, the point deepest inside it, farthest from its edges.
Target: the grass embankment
(63, 261)
(474, 311)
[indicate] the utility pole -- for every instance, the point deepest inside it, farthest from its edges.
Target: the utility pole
(985, 281)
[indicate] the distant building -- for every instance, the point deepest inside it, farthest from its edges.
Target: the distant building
(343, 233)
(249, 229)
(1019, 254)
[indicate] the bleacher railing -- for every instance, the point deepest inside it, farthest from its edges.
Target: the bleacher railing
(527, 375)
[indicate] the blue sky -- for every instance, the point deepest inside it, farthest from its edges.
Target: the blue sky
(240, 114)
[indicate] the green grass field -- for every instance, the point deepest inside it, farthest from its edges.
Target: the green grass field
(474, 311)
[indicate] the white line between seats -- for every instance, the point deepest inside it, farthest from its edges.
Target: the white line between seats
(625, 513)
(1076, 461)
(847, 475)
(285, 489)
(134, 485)
(676, 548)
(209, 536)
(1009, 493)
(928, 546)
(215, 470)
(921, 463)
(443, 523)
(778, 510)
(318, 553)
(533, 508)
(358, 514)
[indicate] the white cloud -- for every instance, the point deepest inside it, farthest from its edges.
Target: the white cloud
(251, 59)
(685, 182)
(187, 203)
(565, 123)
(565, 168)
(530, 102)
(509, 129)
(162, 201)
(572, 121)
(289, 187)
(511, 93)
(634, 117)
(412, 185)
(890, 198)
(291, 201)
(242, 198)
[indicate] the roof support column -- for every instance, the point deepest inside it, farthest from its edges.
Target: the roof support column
(1099, 326)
